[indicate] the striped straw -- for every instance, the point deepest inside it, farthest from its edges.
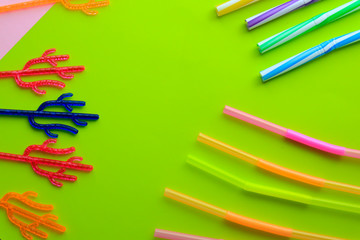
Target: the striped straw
(276, 12)
(309, 55)
(309, 25)
(231, 6)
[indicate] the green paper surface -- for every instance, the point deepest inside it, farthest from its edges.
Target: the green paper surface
(160, 72)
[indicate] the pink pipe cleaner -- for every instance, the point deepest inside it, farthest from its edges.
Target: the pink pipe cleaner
(35, 162)
(62, 72)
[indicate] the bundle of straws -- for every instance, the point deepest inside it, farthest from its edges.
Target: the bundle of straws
(296, 31)
(286, 173)
(249, 186)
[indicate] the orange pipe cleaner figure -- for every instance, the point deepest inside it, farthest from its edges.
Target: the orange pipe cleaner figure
(85, 7)
(27, 229)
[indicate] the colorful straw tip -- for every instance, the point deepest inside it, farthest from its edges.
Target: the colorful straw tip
(231, 6)
(261, 49)
(263, 77)
(159, 233)
(247, 25)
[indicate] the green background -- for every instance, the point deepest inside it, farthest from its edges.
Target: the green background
(158, 73)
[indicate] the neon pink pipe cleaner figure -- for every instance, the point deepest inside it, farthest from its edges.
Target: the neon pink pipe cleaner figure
(35, 162)
(63, 72)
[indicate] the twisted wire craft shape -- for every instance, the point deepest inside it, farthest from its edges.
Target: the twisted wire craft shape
(26, 229)
(63, 72)
(35, 162)
(84, 7)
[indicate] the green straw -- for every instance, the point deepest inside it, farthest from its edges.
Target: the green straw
(308, 26)
(269, 191)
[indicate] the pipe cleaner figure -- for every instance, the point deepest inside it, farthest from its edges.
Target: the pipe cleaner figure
(72, 163)
(77, 118)
(62, 72)
(85, 7)
(29, 229)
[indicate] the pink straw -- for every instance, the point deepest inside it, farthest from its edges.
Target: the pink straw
(159, 233)
(290, 134)
(255, 120)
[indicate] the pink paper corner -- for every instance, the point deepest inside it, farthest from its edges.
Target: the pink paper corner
(14, 25)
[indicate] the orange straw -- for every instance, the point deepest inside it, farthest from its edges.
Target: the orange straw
(245, 221)
(279, 170)
(85, 7)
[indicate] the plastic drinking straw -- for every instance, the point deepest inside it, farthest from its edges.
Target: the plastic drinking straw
(309, 25)
(276, 12)
(269, 191)
(159, 233)
(309, 55)
(232, 5)
(244, 221)
(279, 170)
(298, 137)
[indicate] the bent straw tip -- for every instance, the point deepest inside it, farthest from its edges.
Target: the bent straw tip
(219, 13)
(224, 8)
(165, 234)
(167, 192)
(191, 158)
(263, 77)
(260, 48)
(201, 136)
(248, 25)
(228, 109)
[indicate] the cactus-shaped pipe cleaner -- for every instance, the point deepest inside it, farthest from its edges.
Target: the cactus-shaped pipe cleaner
(77, 118)
(85, 7)
(62, 72)
(35, 162)
(29, 229)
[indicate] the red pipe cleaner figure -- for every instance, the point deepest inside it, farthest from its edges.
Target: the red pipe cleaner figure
(46, 220)
(62, 72)
(35, 162)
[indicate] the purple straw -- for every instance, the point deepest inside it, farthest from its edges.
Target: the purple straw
(276, 12)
